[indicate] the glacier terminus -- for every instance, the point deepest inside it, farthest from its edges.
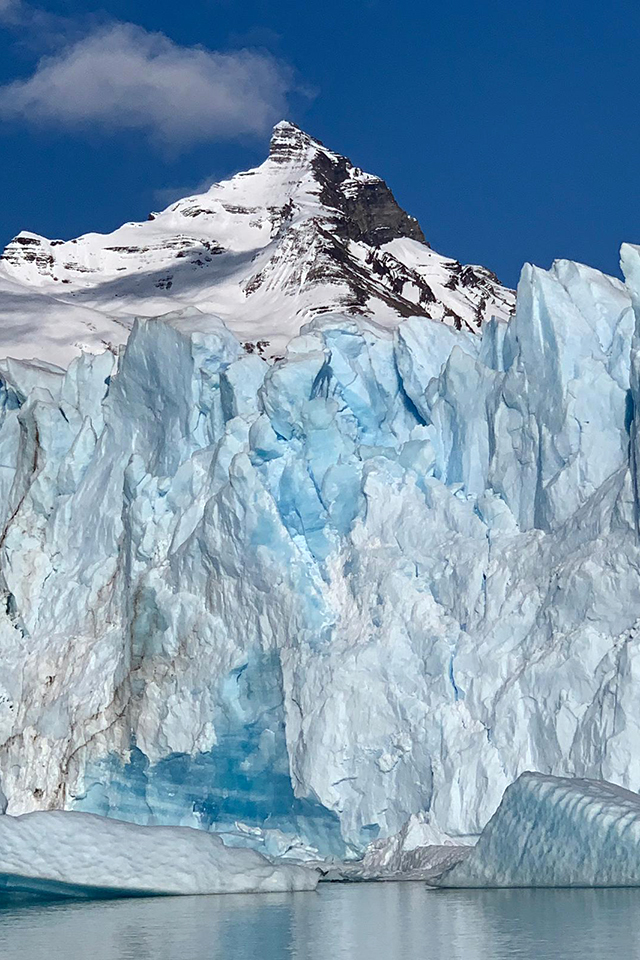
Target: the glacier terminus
(307, 530)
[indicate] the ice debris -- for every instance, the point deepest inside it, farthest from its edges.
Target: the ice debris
(416, 852)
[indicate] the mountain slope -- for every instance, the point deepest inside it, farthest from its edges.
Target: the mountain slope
(304, 234)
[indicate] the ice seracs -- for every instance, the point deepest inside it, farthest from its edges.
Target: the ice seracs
(54, 853)
(312, 599)
(306, 233)
(556, 832)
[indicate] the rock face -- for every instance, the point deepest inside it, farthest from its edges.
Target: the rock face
(360, 207)
(556, 832)
(304, 234)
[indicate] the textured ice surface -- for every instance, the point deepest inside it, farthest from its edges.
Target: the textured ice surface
(556, 832)
(303, 601)
(77, 854)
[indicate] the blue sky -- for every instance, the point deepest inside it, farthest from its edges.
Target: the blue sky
(510, 129)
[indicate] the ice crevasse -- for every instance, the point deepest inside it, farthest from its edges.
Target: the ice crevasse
(301, 602)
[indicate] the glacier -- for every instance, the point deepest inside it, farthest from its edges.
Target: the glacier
(312, 598)
(304, 594)
(56, 853)
(556, 832)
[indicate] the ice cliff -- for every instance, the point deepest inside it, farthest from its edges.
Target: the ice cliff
(556, 832)
(301, 601)
(307, 600)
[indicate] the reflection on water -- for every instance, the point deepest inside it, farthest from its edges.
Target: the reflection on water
(384, 921)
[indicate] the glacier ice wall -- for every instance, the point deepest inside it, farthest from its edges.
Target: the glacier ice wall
(381, 577)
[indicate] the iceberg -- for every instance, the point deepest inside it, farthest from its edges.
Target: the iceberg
(56, 853)
(556, 832)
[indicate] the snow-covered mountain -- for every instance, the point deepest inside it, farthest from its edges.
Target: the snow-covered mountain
(304, 234)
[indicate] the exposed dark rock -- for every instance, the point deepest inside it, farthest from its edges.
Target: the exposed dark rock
(369, 210)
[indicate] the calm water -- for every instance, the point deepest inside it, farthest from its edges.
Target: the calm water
(385, 921)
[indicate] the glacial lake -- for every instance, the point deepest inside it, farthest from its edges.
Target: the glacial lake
(383, 921)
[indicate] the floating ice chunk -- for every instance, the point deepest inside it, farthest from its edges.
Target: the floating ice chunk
(556, 832)
(79, 854)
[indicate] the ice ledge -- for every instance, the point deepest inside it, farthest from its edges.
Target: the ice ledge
(556, 832)
(57, 853)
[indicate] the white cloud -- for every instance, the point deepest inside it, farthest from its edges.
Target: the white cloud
(38, 29)
(122, 77)
(20, 15)
(9, 9)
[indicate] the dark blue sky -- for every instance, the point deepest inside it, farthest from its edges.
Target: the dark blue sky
(510, 129)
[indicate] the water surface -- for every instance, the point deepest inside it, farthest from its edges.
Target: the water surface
(383, 921)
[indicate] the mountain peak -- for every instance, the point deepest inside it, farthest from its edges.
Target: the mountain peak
(305, 233)
(289, 143)
(368, 209)
(289, 127)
